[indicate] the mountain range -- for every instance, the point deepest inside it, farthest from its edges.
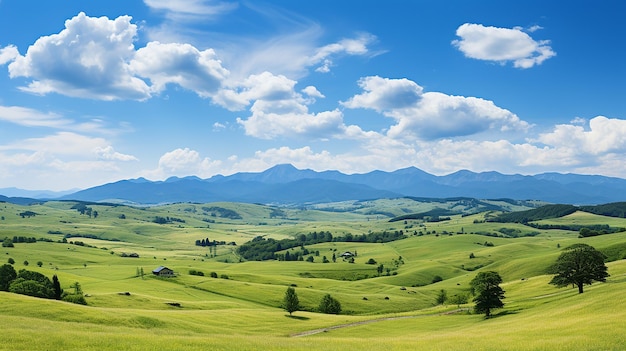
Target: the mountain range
(286, 185)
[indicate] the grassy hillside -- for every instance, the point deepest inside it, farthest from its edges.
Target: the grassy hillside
(240, 309)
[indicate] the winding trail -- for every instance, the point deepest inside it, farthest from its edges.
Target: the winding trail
(341, 326)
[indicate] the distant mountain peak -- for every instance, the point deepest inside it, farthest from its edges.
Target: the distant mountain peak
(283, 167)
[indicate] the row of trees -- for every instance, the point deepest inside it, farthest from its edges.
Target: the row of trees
(260, 249)
(328, 304)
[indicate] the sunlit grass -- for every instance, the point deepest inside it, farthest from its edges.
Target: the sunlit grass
(243, 312)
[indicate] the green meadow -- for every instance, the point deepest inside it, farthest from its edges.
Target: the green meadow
(241, 308)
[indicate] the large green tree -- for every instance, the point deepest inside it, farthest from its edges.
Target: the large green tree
(578, 265)
(329, 305)
(7, 275)
(56, 286)
(488, 293)
(291, 302)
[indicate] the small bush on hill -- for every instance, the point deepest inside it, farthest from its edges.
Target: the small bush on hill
(74, 298)
(329, 305)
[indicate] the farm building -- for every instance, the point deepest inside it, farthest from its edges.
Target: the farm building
(347, 254)
(162, 271)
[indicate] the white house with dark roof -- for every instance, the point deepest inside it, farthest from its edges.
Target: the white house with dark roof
(162, 271)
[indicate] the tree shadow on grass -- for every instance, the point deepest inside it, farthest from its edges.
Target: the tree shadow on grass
(502, 314)
(300, 318)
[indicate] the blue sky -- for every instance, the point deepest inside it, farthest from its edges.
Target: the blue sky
(98, 91)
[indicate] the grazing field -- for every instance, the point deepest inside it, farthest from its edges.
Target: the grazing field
(235, 304)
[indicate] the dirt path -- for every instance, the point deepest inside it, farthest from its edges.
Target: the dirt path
(340, 326)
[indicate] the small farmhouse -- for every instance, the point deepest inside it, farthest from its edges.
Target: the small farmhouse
(347, 254)
(162, 271)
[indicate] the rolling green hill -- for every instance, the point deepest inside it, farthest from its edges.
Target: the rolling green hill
(390, 309)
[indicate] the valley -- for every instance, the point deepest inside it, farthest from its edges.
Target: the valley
(221, 301)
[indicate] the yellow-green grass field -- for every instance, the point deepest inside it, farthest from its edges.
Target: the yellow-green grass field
(241, 309)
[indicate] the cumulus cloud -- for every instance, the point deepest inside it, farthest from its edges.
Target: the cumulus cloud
(95, 58)
(278, 109)
(182, 64)
(179, 159)
(269, 125)
(86, 59)
(502, 45)
(313, 92)
(384, 94)
(8, 54)
(605, 135)
(431, 115)
(183, 162)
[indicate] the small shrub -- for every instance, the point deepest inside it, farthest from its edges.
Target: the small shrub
(224, 276)
(74, 298)
(436, 279)
(7, 243)
(213, 275)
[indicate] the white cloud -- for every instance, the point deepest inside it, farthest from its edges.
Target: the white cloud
(108, 153)
(32, 118)
(292, 53)
(348, 46)
(384, 94)
(188, 10)
(28, 117)
(60, 161)
(86, 59)
(69, 144)
(265, 86)
(182, 64)
(431, 115)
(604, 136)
(8, 54)
(95, 58)
(183, 162)
(270, 125)
(502, 45)
(278, 110)
(313, 92)
(179, 159)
